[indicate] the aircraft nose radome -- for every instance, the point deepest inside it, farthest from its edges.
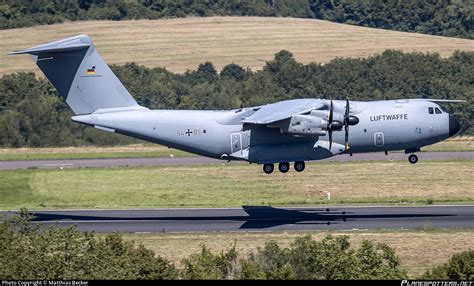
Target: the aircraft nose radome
(454, 126)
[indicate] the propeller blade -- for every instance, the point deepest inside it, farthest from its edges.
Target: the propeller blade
(346, 124)
(331, 111)
(347, 108)
(346, 138)
(330, 139)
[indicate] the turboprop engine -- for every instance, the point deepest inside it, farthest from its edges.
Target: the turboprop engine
(306, 125)
(320, 123)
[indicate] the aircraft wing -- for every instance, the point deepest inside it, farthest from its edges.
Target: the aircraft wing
(441, 100)
(282, 110)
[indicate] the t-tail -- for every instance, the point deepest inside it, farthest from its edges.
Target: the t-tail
(80, 75)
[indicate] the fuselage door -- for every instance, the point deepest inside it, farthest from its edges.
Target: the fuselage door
(378, 138)
(235, 142)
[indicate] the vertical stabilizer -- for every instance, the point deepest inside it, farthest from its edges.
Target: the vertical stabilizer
(80, 75)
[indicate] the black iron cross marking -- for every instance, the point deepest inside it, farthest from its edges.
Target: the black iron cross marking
(189, 132)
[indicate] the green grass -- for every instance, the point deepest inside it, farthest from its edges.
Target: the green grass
(465, 143)
(106, 155)
(236, 185)
(458, 143)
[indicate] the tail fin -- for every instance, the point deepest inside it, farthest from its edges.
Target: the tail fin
(80, 75)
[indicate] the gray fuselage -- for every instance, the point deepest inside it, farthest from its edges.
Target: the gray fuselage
(383, 126)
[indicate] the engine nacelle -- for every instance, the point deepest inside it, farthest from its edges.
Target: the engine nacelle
(324, 114)
(305, 125)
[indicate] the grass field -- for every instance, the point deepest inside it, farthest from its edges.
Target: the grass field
(418, 250)
(461, 143)
(465, 143)
(181, 44)
(236, 185)
(128, 151)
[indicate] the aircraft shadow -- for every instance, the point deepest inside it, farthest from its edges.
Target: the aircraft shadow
(258, 217)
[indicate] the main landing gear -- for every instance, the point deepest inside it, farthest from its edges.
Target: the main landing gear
(284, 167)
(299, 166)
(268, 168)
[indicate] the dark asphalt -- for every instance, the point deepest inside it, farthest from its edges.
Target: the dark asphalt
(265, 218)
(203, 160)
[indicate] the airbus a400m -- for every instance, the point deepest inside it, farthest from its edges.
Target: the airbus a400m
(296, 130)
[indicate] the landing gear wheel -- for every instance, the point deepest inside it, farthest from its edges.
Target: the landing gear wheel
(268, 168)
(299, 166)
(413, 158)
(284, 167)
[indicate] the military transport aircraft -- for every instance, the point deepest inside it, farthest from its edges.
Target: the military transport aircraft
(296, 130)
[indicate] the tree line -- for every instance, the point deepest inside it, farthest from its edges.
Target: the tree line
(447, 18)
(32, 115)
(30, 252)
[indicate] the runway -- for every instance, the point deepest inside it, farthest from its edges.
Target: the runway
(77, 163)
(259, 218)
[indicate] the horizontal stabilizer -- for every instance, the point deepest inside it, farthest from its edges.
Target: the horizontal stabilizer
(65, 45)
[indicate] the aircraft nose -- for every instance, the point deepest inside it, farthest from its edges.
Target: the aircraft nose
(454, 126)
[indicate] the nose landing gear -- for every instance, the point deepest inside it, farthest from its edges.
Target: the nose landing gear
(413, 158)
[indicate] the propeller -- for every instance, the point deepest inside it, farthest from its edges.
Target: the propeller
(337, 125)
(329, 124)
(332, 124)
(348, 120)
(346, 125)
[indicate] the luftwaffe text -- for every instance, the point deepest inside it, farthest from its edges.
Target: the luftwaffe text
(389, 117)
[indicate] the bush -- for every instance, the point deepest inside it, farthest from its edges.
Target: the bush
(331, 258)
(32, 252)
(459, 267)
(206, 265)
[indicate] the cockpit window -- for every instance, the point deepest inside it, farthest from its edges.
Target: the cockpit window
(438, 111)
(430, 110)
